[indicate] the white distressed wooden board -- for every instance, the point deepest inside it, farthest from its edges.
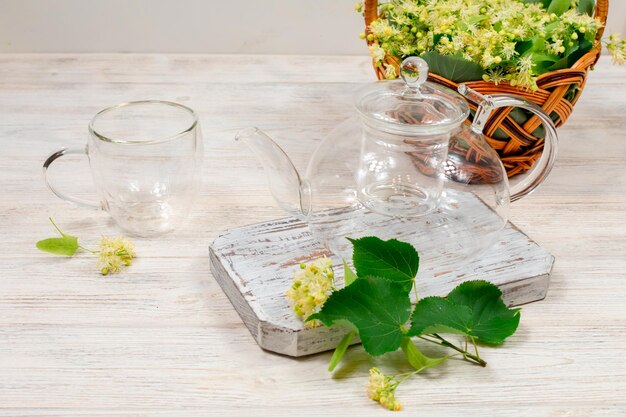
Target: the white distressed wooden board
(254, 265)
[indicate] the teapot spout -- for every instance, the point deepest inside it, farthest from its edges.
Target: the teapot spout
(289, 191)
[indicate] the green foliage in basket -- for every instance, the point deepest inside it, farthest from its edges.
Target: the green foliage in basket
(493, 40)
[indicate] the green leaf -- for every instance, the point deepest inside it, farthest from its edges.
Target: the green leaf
(474, 20)
(538, 45)
(523, 46)
(348, 275)
(377, 307)
(550, 28)
(584, 46)
(454, 68)
(438, 315)
(543, 62)
(397, 261)
(560, 64)
(586, 6)
(340, 350)
(66, 245)
(474, 308)
(542, 57)
(416, 358)
(559, 7)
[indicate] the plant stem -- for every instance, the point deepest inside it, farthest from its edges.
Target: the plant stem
(55, 226)
(475, 347)
(88, 250)
(409, 375)
(475, 359)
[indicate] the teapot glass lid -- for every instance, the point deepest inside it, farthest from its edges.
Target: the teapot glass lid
(412, 105)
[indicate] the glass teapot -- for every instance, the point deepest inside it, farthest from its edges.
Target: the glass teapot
(406, 166)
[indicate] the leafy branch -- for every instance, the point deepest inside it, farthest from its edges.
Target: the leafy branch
(113, 255)
(376, 302)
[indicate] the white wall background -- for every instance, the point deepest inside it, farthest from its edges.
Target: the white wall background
(203, 26)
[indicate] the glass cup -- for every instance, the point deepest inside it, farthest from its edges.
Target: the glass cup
(145, 159)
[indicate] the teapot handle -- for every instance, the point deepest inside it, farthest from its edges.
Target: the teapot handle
(543, 166)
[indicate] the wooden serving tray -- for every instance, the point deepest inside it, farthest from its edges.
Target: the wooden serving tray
(254, 265)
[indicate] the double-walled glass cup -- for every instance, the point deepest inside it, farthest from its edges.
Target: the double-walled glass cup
(145, 159)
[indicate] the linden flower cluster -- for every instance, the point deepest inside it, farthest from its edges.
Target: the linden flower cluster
(617, 48)
(115, 253)
(312, 285)
(511, 40)
(381, 388)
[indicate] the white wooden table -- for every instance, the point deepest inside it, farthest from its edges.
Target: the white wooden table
(162, 339)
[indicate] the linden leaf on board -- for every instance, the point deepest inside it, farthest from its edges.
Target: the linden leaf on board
(377, 307)
(391, 259)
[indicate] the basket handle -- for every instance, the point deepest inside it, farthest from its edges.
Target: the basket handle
(370, 12)
(601, 13)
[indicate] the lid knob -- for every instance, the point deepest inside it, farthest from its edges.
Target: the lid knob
(414, 72)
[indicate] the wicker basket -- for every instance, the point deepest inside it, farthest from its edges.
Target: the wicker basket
(521, 149)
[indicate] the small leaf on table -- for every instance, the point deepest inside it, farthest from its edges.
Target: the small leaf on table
(391, 259)
(66, 245)
(474, 308)
(340, 350)
(416, 358)
(377, 307)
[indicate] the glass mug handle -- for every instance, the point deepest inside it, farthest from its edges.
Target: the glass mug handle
(78, 150)
(543, 166)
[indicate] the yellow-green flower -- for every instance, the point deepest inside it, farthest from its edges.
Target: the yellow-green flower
(390, 72)
(115, 254)
(377, 53)
(381, 388)
(617, 48)
(312, 285)
(524, 77)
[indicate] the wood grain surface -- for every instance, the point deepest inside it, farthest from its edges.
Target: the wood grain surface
(162, 339)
